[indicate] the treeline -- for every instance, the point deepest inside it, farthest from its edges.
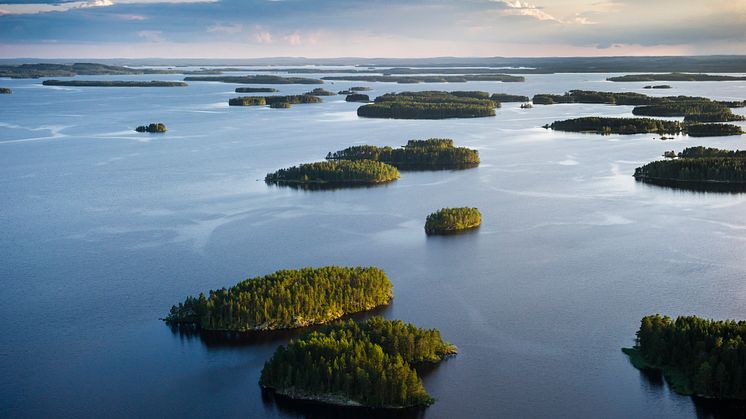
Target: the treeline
(256, 79)
(155, 127)
(504, 97)
(608, 125)
(113, 83)
(337, 172)
(434, 153)
(427, 105)
(429, 79)
(368, 364)
(675, 77)
(451, 220)
(286, 299)
(694, 170)
(699, 152)
(270, 100)
(256, 90)
(698, 356)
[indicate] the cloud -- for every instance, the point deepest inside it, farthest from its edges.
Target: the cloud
(262, 35)
(152, 36)
(293, 39)
(518, 8)
(35, 8)
(226, 28)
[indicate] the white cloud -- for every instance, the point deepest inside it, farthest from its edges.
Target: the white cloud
(294, 39)
(152, 36)
(228, 28)
(518, 8)
(34, 8)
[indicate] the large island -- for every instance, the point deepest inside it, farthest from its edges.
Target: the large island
(626, 126)
(113, 83)
(697, 356)
(335, 173)
(368, 364)
(428, 105)
(256, 79)
(286, 299)
(698, 168)
(430, 154)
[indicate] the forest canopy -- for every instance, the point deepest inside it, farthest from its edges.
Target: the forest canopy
(452, 220)
(697, 166)
(286, 299)
(337, 172)
(608, 125)
(427, 105)
(361, 364)
(433, 154)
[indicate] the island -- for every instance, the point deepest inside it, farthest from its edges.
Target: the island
(698, 168)
(256, 90)
(270, 100)
(693, 110)
(335, 173)
(429, 79)
(155, 127)
(658, 86)
(453, 220)
(527, 106)
(34, 71)
(256, 79)
(320, 92)
(286, 299)
(5, 91)
(369, 364)
(675, 77)
(625, 126)
(430, 154)
(354, 89)
(697, 356)
(427, 105)
(113, 83)
(357, 97)
(504, 97)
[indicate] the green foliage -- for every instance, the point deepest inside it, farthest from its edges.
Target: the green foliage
(699, 170)
(256, 79)
(286, 299)
(320, 92)
(368, 363)
(256, 90)
(430, 79)
(113, 83)
(450, 220)
(269, 100)
(336, 172)
(357, 97)
(707, 357)
(675, 77)
(427, 105)
(156, 127)
(713, 130)
(699, 152)
(504, 97)
(434, 153)
(603, 125)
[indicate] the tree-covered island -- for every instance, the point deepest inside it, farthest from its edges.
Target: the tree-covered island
(335, 173)
(697, 356)
(430, 154)
(698, 167)
(504, 97)
(256, 79)
(368, 364)
(5, 91)
(429, 79)
(286, 299)
(428, 105)
(609, 125)
(357, 97)
(453, 220)
(272, 100)
(675, 77)
(256, 90)
(113, 83)
(155, 127)
(320, 92)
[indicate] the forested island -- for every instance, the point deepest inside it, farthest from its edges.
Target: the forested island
(155, 127)
(698, 167)
(114, 83)
(354, 89)
(675, 77)
(427, 105)
(357, 97)
(657, 86)
(320, 92)
(33, 71)
(504, 97)
(608, 125)
(453, 220)
(5, 91)
(429, 79)
(256, 90)
(694, 110)
(256, 79)
(430, 154)
(335, 173)
(272, 100)
(368, 364)
(286, 299)
(697, 356)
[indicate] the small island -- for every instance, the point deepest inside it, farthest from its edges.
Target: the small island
(5, 91)
(427, 105)
(335, 173)
(155, 127)
(527, 106)
(697, 168)
(429, 79)
(272, 100)
(286, 299)
(453, 220)
(256, 79)
(113, 83)
(657, 86)
(256, 90)
(320, 92)
(697, 356)
(675, 77)
(430, 154)
(354, 89)
(369, 364)
(626, 126)
(357, 97)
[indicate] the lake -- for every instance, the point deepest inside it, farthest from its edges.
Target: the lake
(103, 229)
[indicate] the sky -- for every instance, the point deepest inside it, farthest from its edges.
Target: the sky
(379, 28)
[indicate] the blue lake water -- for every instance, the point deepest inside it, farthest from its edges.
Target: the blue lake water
(103, 229)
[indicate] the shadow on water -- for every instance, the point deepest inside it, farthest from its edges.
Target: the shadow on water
(326, 186)
(314, 410)
(220, 339)
(700, 187)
